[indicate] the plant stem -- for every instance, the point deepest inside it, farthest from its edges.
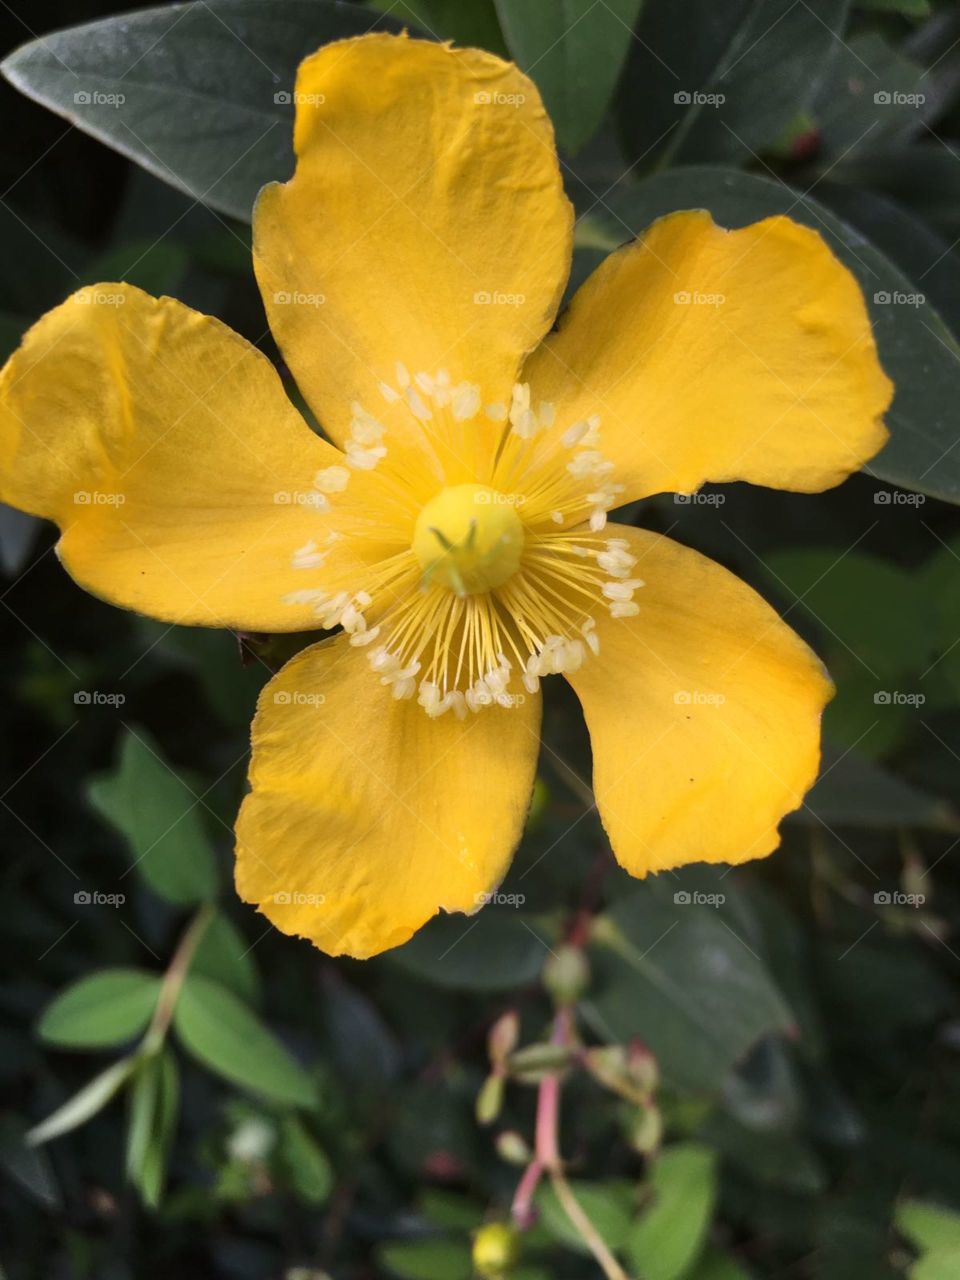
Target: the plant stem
(174, 978)
(585, 1229)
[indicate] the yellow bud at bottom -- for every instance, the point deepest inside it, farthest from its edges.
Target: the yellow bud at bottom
(496, 1250)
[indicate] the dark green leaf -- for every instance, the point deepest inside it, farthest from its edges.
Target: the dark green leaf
(852, 791)
(492, 951)
(916, 348)
(426, 1260)
(102, 1009)
(306, 1165)
(160, 817)
(575, 51)
(467, 22)
(610, 1206)
(199, 94)
(154, 1104)
(222, 1033)
(224, 955)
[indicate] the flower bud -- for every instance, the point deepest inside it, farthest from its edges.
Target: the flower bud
(512, 1147)
(566, 974)
(535, 1062)
(503, 1036)
(496, 1250)
(646, 1130)
(490, 1098)
(642, 1066)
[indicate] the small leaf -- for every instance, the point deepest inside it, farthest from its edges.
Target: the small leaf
(224, 955)
(493, 951)
(928, 1226)
(306, 1164)
(160, 817)
(426, 1260)
(575, 51)
(222, 1033)
(665, 1242)
(154, 1103)
(609, 1206)
(102, 1009)
(93, 1097)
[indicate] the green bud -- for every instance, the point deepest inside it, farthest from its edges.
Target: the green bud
(646, 1130)
(490, 1098)
(503, 1036)
(537, 1061)
(566, 974)
(496, 1250)
(642, 1066)
(513, 1147)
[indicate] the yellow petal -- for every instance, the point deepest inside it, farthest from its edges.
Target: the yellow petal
(426, 223)
(366, 817)
(720, 355)
(704, 715)
(164, 447)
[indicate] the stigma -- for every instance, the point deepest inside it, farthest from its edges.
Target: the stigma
(469, 539)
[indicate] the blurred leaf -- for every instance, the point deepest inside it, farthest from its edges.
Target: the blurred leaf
(222, 1033)
(609, 1205)
(766, 61)
(467, 22)
(916, 348)
(360, 1042)
(102, 1009)
(492, 951)
(449, 1210)
(778, 1159)
(575, 51)
(909, 8)
(867, 100)
(200, 95)
(940, 1264)
(307, 1167)
(714, 1265)
(160, 817)
(851, 791)
(666, 1240)
(224, 955)
(154, 1103)
(18, 531)
(93, 1097)
(928, 1226)
(924, 176)
(155, 266)
(687, 982)
(426, 1260)
(29, 1167)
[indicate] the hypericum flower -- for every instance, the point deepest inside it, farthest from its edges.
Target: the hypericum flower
(456, 528)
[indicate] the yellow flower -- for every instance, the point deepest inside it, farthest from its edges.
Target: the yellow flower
(456, 527)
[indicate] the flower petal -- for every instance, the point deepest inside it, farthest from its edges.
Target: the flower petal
(366, 816)
(426, 223)
(720, 355)
(704, 715)
(163, 445)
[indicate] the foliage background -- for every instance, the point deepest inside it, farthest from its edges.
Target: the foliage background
(806, 1026)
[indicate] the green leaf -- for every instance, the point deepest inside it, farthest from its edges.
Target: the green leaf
(426, 1260)
(160, 817)
(93, 1097)
(575, 51)
(909, 8)
(714, 1265)
(686, 979)
(940, 1264)
(307, 1168)
(852, 791)
(102, 1009)
(198, 94)
(666, 1240)
(916, 348)
(609, 1205)
(847, 112)
(492, 951)
(224, 955)
(222, 1033)
(928, 1226)
(154, 1104)
(727, 80)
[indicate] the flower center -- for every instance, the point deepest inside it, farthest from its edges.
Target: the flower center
(469, 539)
